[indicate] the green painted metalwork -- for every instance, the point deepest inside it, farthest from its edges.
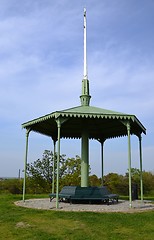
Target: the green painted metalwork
(53, 175)
(141, 178)
(84, 159)
(85, 97)
(99, 124)
(129, 165)
(58, 161)
(102, 123)
(102, 157)
(25, 164)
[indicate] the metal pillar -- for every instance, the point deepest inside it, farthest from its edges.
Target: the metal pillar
(102, 158)
(58, 161)
(84, 159)
(141, 179)
(129, 165)
(53, 169)
(25, 163)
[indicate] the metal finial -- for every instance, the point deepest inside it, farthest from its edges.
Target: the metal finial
(85, 97)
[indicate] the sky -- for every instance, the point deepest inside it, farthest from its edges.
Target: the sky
(41, 70)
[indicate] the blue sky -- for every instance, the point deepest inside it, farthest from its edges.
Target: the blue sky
(41, 69)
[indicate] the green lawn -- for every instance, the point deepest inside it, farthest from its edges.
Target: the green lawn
(21, 223)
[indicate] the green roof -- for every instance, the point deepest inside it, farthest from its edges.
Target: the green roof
(101, 123)
(89, 110)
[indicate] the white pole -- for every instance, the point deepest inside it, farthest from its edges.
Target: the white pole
(85, 46)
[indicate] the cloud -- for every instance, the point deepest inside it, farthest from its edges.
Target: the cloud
(41, 60)
(122, 84)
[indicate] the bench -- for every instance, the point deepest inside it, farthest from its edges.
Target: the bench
(93, 194)
(65, 194)
(85, 194)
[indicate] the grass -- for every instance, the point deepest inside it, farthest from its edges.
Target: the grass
(23, 223)
(150, 198)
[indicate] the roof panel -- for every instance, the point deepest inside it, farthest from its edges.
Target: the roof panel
(101, 123)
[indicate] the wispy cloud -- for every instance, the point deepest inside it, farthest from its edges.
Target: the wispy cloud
(41, 60)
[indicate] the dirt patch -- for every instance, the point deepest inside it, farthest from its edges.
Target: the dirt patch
(22, 225)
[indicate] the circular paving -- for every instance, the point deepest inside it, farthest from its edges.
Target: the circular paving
(121, 206)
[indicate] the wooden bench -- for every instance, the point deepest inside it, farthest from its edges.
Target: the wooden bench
(85, 194)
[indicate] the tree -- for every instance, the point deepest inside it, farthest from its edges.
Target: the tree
(148, 183)
(116, 183)
(72, 172)
(94, 180)
(40, 172)
(40, 176)
(135, 175)
(148, 180)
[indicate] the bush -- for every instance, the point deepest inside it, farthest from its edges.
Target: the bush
(13, 185)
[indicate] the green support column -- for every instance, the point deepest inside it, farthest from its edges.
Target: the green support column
(84, 160)
(129, 165)
(53, 171)
(102, 157)
(58, 161)
(25, 163)
(141, 179)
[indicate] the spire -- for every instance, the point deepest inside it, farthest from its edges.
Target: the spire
(85, 97)
(85, 74)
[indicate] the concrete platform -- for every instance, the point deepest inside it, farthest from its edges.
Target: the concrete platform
(121, 206)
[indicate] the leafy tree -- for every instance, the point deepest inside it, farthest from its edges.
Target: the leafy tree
(43, 168)
(40, 172)
(116, 183)
(40, 176)
(94, 180)
(135, 175)
(148, 182)
(72, 172)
